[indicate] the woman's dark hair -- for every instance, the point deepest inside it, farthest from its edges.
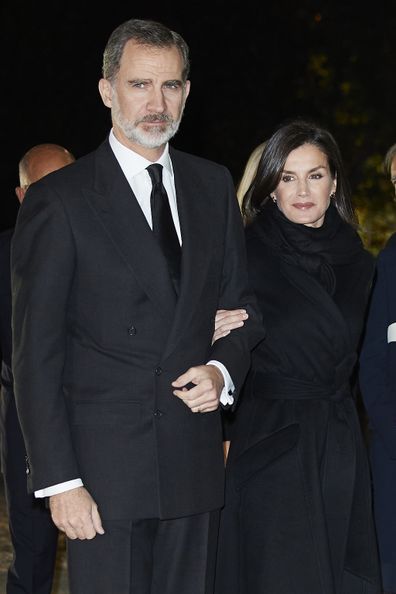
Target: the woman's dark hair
(285, 139)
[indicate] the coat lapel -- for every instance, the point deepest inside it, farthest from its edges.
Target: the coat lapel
(124, 222)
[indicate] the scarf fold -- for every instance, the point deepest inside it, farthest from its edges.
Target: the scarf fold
(317, 250)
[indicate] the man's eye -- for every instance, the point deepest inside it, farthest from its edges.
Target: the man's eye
(172, 85)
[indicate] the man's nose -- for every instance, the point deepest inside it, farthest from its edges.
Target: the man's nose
(156, 101)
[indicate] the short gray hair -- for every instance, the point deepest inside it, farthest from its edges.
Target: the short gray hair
(144, 32)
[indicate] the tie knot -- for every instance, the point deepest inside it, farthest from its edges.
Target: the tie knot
(155, 173)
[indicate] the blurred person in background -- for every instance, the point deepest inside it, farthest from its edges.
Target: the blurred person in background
(378, 387)
(249, 172)
(33, 534)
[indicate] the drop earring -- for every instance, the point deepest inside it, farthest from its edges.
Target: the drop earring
(332, 196)
(273, 198)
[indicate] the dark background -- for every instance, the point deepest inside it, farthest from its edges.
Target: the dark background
(253, 65)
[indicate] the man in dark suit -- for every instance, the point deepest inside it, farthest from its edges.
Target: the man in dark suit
(114, 298)
(33, 533)
(378, 387)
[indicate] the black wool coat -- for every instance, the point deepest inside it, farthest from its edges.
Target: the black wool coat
(297, 518)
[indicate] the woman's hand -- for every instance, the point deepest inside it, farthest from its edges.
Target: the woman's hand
(227, 320)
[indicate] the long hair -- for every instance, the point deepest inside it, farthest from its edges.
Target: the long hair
(249, 172)
(286, 139)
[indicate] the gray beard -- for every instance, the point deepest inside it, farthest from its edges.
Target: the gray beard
(152, 138)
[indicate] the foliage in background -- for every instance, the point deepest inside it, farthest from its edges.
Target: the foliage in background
(329, 61)
(375, 203)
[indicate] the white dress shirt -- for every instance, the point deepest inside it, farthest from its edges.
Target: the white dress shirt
(134, 168)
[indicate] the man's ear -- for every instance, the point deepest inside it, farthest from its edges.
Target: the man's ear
(105, 91)
(187, 88)
(20, 193)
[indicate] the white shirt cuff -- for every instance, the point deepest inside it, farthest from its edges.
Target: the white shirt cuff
(392, 333)
(226, 396)
(59, 488)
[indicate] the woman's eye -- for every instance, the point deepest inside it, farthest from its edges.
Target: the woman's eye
(287, 178)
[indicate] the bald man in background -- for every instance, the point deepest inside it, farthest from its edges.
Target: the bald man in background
(33, 535)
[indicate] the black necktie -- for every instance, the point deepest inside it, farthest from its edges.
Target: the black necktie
(163, 226)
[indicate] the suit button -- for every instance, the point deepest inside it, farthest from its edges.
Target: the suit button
(158, 370)
(157, 414)
(132, 331)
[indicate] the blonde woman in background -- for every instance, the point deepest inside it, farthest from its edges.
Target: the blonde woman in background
(249, 172)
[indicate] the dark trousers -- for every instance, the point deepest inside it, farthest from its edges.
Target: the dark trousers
(147, 557)
(33, 534)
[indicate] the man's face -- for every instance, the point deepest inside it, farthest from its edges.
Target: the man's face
(393, 173)
(148, 96)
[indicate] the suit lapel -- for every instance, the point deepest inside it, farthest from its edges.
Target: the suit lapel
(196, 219)
(124, 222)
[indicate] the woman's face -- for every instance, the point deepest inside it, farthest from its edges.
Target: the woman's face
(303, 193)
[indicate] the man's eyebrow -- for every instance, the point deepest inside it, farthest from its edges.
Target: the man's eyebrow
(177, 81)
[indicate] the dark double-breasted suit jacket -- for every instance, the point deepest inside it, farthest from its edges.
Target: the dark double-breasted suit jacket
(378, 386)
(99, 335)
(378, 356)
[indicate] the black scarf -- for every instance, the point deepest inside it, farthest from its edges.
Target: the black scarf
(315, 249)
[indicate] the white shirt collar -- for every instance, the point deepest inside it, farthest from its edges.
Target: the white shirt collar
(132, 163)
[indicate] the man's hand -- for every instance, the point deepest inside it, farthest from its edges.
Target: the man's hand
(227, 320)
(204, 396)
(76, 514)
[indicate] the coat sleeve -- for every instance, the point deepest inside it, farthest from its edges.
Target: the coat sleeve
(42, 265)
(234, 350)
(377, 370)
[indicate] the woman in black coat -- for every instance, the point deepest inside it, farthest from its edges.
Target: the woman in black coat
(298, 517)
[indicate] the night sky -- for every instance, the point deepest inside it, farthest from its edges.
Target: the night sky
(251, 68)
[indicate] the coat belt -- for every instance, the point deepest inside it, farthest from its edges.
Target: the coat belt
(273, 386)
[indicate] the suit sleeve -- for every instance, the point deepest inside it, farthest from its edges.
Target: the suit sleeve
(42, 265)
(234, 350)
(377, 373)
